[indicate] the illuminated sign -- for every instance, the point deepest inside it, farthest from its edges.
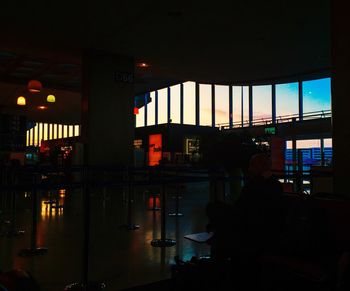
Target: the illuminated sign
(154, 149)
(270, 130)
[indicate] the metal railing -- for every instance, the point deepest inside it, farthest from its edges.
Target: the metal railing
(279, 119)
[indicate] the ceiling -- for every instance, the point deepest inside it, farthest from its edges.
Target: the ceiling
(223, 42)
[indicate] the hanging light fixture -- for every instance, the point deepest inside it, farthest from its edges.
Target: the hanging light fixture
(34, 86)
(51, 98)
(21, 101)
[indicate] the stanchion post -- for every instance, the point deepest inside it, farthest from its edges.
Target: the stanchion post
(34, 250)
(163, 241)
(129, 224)
(177, 200)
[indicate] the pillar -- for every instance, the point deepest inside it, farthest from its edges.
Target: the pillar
(340, 38)
(107, 108)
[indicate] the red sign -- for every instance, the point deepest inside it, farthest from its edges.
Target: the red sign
(154, 149)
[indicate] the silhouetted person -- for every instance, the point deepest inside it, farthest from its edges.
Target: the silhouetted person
(251, 226)
(255, 221)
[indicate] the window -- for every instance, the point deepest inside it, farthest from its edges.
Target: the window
(316, 95)
(65, 131)
(59, 131)
(151, 110)
(240, 105)
(163, 106)
(222, 105)
(287, 100)
(262, 102)
(51, 131)
(76, 130)
(140, 117)
(55, 131)
(205, 106)
(190, 103)
(45, 129)
(175, 104)
(70, 131)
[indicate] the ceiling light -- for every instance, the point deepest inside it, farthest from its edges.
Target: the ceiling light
(34, 86)
(21, 101)
(51, 98)
(142, 65)
(42, 107)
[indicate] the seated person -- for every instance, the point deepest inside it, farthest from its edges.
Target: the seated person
(254, 222)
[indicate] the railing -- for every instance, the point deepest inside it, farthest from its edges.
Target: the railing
(279, 119)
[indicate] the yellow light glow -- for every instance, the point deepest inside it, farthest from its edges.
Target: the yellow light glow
(21, 101)
(51, 98)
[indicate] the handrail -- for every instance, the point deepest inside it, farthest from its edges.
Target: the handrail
(279, 119)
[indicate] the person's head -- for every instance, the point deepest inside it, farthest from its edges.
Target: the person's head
(259, 165)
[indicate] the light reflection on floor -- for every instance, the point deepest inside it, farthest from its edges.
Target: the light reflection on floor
(120, 258)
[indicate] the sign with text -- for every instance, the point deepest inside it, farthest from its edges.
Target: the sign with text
(124, 77)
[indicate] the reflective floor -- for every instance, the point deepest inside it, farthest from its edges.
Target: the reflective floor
(119, 257)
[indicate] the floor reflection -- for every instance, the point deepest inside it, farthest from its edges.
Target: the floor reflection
(119, 257)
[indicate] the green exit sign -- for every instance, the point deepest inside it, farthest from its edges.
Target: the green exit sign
(270, 130)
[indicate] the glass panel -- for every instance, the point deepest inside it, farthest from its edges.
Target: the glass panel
(65, 131)
(328, 142)
(151, 110)
(328, 149)
(163, 106)
(175, 104)
(287, 100)
(140, 117)
(205, 105)
(222, 105)
(190, 103)
(45, 137)
(262, 102)
(76, 130)
(60, 131)
(237, 105)
(245, 105)
(51, 131)
(55, 134)
(317, 95)
(31, 136)
(71, 131)
(40, 135)
(36, 129)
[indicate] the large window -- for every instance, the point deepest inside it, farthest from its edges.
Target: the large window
(140, 117)
(175, 104)
(190, 103)
(262, 102)
(76, 130)
(240, 105)
(205, 106)
(222, 104)
(163, 106)
(151, 110)
(317, 95)
(287, 100)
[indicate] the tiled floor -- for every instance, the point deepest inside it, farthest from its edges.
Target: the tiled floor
(118, 257)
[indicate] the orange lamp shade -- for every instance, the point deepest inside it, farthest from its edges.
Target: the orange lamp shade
(51, 98)
(34, 86)
(21, 101)
(136, 110)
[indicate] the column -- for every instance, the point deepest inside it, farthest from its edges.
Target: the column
(107, 108)
(340, 31)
